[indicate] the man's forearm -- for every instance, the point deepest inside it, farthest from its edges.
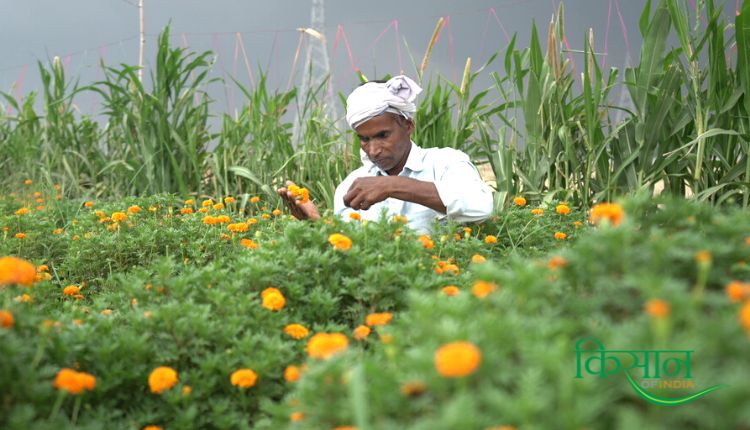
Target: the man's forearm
(416, 191)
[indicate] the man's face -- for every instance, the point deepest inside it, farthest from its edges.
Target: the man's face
(386, 139)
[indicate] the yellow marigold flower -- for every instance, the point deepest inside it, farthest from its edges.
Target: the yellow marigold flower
(400, 219)
(355, 216)
(345, 428)
(243, 378)
(106, 312)
(189, 202)
(378, 318)
(28, 182)
(325, 345)
(248, 243)
(71, 290)
(187, 390)
(482, 289)
(427, 243)
(239, 227)
(340, 242)
(203, 210)
(413, 388)
(560, 235)
(134, 209)
(490, 239)
(578, 224)
(612, 212)
(16, 271)
(254, 199)
(186, 211)
(658, 308)
(229, 200)
(296, 416)
(209, 220)
(519, 201)
(218, 206)
(6, 319)
(74, 382)
(537, 211)
(562, 209)
(273, 299)
(703, 257)
(301, 194)
(152, 427)
(207, 203)
(22, 211)
(23, 298)
(745, 317)
(119, 216)
(556, 262)
(42, 268)
(450, 290)
(361, 332)
(252, 221)
(100, 214)
(162, 379)
(75, 237)
(737, 291)
(58, 231)
(297, 331)
(476, 258)
(276, 212)
(457, 359)
(292, 374)
(20, 235)
(265, 216)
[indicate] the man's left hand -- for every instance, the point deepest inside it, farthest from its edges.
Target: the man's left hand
(368, 191)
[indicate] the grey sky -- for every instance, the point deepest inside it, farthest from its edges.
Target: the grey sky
(81, 31)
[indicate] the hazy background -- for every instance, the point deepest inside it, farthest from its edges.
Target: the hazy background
(81, 32)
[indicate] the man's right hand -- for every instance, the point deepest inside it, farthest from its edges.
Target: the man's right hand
(298, 209)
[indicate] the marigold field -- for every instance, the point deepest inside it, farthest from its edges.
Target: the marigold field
(139, 313)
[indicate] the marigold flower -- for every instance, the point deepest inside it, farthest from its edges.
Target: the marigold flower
(71, 290)
(76, 237)
(276, 212)
(254, 199)
(450, 290)
(560, 235)
(58, 231)
(413, 388)
(355, 216)
(273, 299)
(612, 212)
(134, 209)
(162, 379)
(478, 259)
(325, 345)
(186, 211)
(578, 224)
(229, 200)
(301, 194)
(74, 382)
(361, 332)
(340, 242)
(223, 219)
(400, 219)
(519, 201)
(426, 241)
(737, 291)
(152, 427)
(490, 239)
(218, 206)
(657, 308)
(248, 243)
(296, 416)
(482, 289)
(562, 209)
(292, 374)
(119, 216)
(243, 378)
(378, 318)
(6, 319)
(22, 211)
(386, 338)
(23, 298)
(16, 271)
(20, 235)
(207, 203)
(203, 210)
(187, 390)
(106, 312)
(556, 262)
(747, 241)
(703, 257)
(28, 182)
(457, 359)
(297, 331)
(239, 227)
(189, 202)
(745, 317)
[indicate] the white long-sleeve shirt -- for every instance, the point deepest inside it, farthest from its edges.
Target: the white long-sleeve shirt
(466, 197)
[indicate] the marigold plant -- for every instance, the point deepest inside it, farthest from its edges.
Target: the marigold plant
(74, 382)
(16, 271)
(612, 212)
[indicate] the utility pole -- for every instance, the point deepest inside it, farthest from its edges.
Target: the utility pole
(143, 41)
(317, 69)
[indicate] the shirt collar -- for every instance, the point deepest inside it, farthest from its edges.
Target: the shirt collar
(414, 161)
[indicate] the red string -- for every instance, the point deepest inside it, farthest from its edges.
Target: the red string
(19, 84)
(349, 50)
(624, 31)
(484, 33)
(217, 49)
(606, 35)
(502, 27)
(377, 39)
(450, 47)
(294, 63)
(247, 60)
(398, 46)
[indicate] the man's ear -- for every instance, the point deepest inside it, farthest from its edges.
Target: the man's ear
(409, 124)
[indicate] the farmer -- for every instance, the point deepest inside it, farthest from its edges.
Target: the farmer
(396, 174)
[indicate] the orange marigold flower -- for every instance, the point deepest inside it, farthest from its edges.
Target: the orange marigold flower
(276, 212)
(457, 359)
(152, 427)
(325, 345)
(482, 289)
(186, 211)
(703, 257)
(28, 182)
(301, 194)
(252, 221)
(292, 374)
(187, 390)
(490, 239)
(239, 227)
(476, 258)
(229, 200)
(612, 212)
(77, 237)
(119, 216)
(378, 318)
(203, 210)
(189, 202)
(209, 220)
(450, 290)
(273, 299)
(400, 218)
(23, 298)
(340, 242)
(162, 379)
(71, 290)
(560, 235)
(265, 216)
(207, 203)
(16, 271)
(361, 332)
(578, 224)
(296, 416)
(134, 209)
(22, 211)
(42, 268)
(745, 317)
(556, 262)
(537, 211)
(562, 209)
(355, 216)
(243, 378)
(74, 382)
(297, 331)
(106, 312)
(426, 241)
(58, 231)
(248, 243)
(519, 201)
(100, 214)
(737, 291)
(218, 206)
(20, 235)
(6, 319)
(657, 308)
(747, 241)
(254, 199)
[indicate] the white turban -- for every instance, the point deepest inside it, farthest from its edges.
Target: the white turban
(373, 98)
